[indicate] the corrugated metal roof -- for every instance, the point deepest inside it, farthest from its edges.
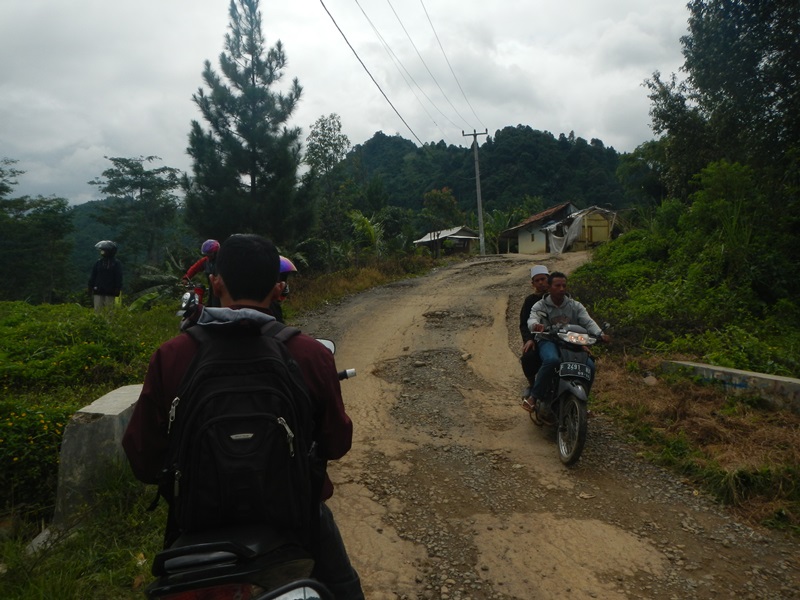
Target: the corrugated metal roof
(463, 232)
(581, 213)
(548, 215)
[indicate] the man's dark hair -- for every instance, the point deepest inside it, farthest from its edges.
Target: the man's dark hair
(553, 275)
(249, 265)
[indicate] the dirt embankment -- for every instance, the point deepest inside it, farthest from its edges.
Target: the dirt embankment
(451, 492)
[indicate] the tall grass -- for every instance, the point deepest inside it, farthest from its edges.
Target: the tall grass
(106, 555)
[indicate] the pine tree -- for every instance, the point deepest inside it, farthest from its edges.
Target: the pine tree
(244, 172)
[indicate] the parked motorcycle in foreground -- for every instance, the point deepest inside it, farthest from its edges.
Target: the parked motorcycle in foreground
(565, 402)
(237, 562)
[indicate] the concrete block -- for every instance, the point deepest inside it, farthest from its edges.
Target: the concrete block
(92, 440)
(781, 392)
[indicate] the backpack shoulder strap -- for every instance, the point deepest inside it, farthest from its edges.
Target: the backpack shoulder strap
(198, 333)
(279, 331)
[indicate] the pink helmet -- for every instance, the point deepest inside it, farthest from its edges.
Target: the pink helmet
(209, 247)
(287, 266)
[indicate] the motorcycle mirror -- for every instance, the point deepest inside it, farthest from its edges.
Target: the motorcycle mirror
(329, 345)
(303, 588)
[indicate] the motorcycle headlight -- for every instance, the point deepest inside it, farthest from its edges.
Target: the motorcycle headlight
(579, 339)
(188, 300)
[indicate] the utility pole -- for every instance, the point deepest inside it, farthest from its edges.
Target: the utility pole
(475, 135)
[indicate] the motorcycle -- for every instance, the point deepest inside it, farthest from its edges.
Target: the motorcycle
(565, 401)
(192, 299)
(236, 563)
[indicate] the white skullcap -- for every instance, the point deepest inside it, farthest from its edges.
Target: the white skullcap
(539, 270)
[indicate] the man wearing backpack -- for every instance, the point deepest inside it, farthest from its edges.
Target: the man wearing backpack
(246, 283)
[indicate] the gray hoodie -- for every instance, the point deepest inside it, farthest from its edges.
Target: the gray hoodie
(222, 316)
(570, 312)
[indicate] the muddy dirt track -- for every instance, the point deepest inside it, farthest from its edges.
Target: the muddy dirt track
(451, 492)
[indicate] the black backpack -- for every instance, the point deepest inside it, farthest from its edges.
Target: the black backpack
(240, 438)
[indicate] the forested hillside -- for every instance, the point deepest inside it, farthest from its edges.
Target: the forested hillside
(515, 162)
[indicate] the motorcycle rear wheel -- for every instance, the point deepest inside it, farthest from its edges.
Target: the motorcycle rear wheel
(572, 429)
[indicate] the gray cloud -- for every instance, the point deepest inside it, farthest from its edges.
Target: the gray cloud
(89, 79)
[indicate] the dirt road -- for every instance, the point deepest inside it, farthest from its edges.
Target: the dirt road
(451, 492)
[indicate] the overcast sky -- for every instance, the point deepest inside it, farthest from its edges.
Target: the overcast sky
(84, 79)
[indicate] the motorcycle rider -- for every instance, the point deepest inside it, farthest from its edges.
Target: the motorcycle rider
(209, 250)
(556, 308)
(530, 356)
(287, 268)
(246, 282)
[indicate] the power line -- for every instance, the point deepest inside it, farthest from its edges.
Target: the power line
(399, 65)
(436, 35)
(425, 64)
(370, 74)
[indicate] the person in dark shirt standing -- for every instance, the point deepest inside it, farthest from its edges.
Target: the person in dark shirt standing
(105, 282)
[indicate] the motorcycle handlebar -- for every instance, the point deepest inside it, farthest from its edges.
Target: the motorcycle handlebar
(347, 374)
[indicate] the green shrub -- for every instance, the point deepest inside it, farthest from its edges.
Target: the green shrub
(30, 437)
(684, 286)
(50, 346)
(738, 348)
(54, 359)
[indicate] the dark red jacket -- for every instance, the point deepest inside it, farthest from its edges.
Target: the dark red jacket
(145, 439)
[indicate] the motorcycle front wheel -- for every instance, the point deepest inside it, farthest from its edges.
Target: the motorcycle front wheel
(572, 429)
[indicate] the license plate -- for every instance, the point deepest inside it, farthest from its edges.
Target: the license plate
(570, 369)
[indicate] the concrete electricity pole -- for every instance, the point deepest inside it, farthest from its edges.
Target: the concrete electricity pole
(475, 135)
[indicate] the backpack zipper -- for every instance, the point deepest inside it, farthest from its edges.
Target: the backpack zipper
(289, 435)
(177, 476)
(172, 410)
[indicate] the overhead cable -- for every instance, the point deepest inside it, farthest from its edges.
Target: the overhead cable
(370, 74)
(425, 64)
(436, 35)
(399, 65)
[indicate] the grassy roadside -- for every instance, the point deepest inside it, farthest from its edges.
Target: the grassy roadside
(736, 448)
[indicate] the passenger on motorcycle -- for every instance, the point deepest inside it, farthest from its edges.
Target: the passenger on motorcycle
(209, 250)
(556, 308)
(530, 356)
(287, 268)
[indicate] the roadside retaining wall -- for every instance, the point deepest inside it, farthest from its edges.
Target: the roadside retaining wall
(92, 439)
(780, 392)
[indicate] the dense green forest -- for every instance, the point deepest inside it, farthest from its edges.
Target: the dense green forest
(712, 200)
